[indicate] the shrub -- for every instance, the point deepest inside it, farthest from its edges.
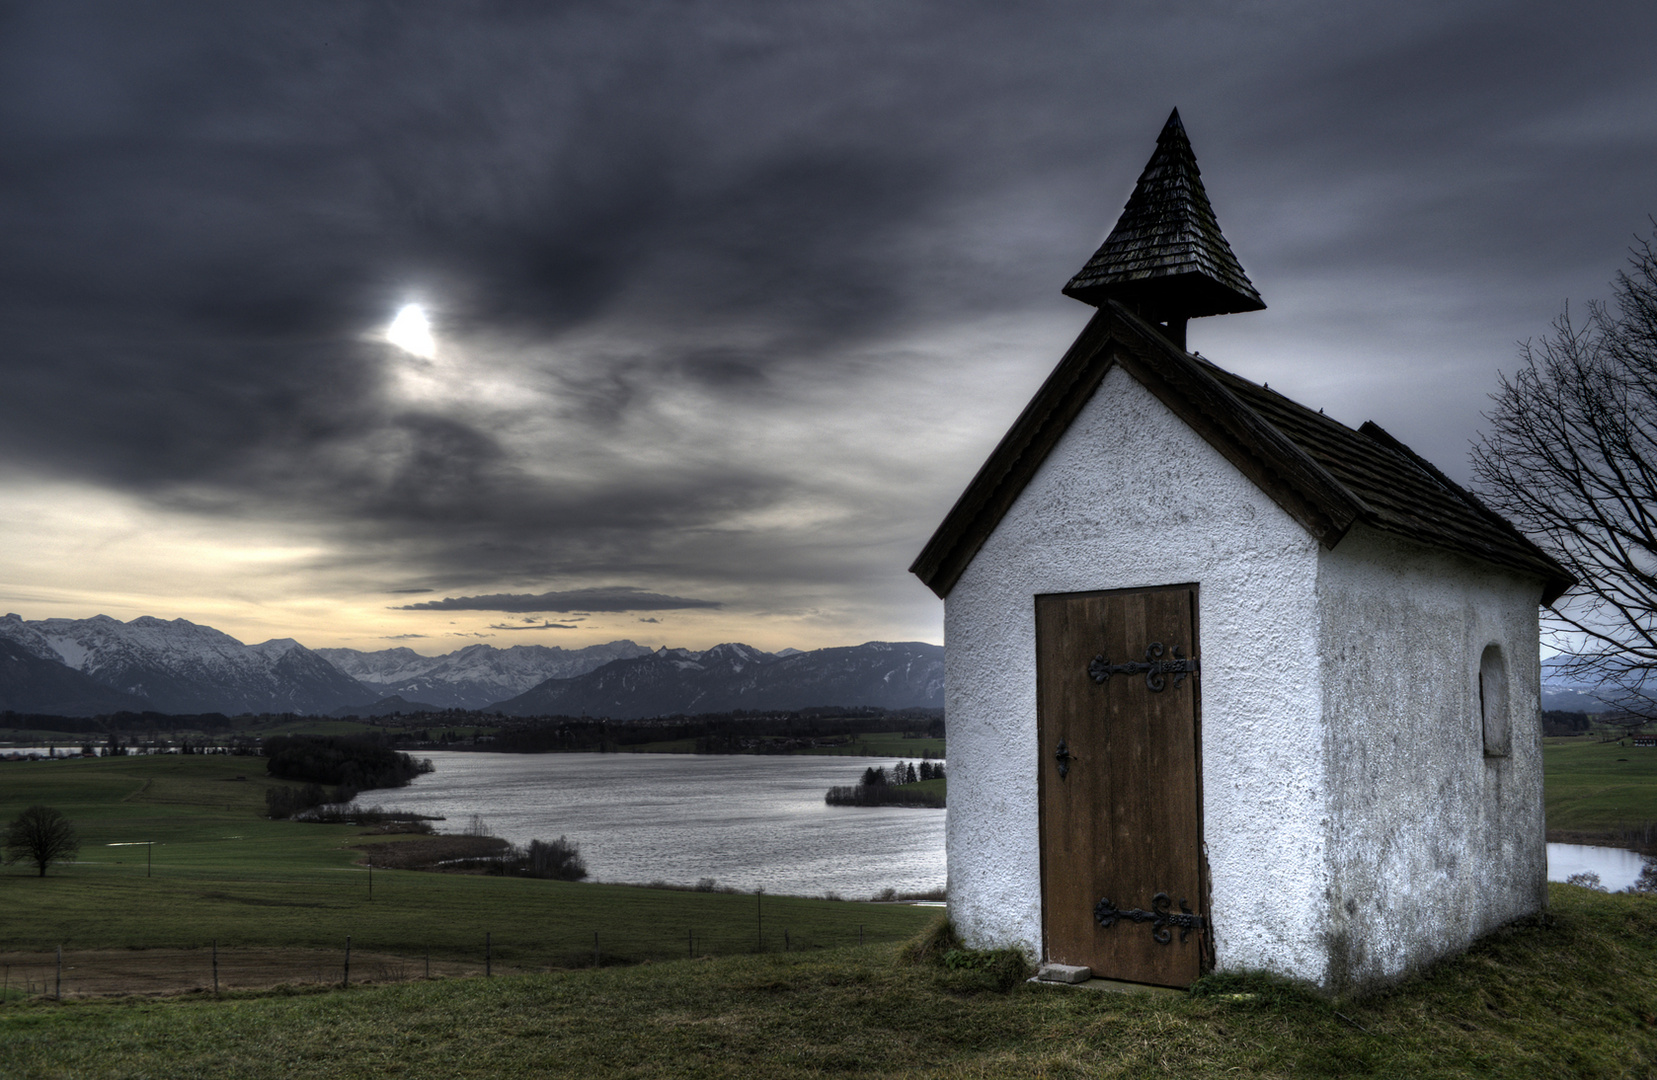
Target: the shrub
(559, 860)
(929, 946)
(288, 802)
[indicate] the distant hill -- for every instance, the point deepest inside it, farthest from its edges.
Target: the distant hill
(387, 707)
(475, 676)
(1560, 693)
(29, 684)
(893, 675)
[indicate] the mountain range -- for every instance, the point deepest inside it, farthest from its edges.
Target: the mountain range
(892, 675)
(180, 667)
(88, 667)
(475, 676)
(1564, 693)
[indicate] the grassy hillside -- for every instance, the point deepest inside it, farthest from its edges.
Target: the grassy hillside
(223, 872)
(1570, 996)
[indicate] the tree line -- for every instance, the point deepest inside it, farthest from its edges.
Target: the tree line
(346, 764)
(717, 733)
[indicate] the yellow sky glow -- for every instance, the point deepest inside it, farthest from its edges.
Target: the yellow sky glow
(74, 551)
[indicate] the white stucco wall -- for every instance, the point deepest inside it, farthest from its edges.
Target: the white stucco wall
(1354, 827)
(1433, 842)
(1132, 497)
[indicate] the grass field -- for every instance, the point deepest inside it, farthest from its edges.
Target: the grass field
(1571, 996)
(222, 872)
(1600, 788)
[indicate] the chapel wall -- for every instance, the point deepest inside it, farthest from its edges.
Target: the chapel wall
(1434, 841)
(1131, 497)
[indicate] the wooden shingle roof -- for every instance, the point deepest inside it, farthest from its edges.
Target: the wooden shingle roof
(1166, 257)
(1322, 473)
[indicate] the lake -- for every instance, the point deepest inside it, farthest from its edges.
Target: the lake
(1617, 867)
(749, 822)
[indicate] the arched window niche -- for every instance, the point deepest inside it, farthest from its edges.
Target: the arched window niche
(1493, 710)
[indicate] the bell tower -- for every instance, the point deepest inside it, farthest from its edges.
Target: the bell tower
(1166, 259)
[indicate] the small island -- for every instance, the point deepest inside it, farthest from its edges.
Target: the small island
(904, 785)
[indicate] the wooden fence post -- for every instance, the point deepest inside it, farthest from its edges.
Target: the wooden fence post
(215, 965)
(58, 993)
(488, 955)
(347, 980)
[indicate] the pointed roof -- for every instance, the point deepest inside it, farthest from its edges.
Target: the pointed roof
(1166, 257)
(1325, 475)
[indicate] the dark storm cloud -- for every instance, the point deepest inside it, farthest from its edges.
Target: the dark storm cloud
(206, 212)
(609, 598)
(209, 209)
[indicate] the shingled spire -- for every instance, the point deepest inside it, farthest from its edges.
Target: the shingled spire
(1166, 258)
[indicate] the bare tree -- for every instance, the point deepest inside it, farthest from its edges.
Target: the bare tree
(1571, 459)
(41, 835)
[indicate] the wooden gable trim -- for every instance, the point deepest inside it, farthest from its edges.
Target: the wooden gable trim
(1016, 458)
(1299, 485)
(1305, 491)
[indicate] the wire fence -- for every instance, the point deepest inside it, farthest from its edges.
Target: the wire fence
(213, 968)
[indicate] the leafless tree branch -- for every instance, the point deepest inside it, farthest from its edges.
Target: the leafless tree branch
(1570, 457)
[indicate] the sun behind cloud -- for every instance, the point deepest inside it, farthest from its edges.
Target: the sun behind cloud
(411, 331)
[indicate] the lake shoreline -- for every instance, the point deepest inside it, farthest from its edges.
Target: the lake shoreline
(1600, 838)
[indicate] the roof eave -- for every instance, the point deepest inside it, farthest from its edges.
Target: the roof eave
(1302, 487)
(1556, 580)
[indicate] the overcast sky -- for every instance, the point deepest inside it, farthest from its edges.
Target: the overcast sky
(727, 301)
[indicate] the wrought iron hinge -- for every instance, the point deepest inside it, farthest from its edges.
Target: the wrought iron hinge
(1062, 756)
(1155, 668)
(1161, 918)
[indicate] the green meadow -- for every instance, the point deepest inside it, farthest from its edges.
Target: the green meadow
(222, 872)
(1599, 788)
(1573, 995)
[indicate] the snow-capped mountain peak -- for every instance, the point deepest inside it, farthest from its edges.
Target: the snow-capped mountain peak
(178, 666)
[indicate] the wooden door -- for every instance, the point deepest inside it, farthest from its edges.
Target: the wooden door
(1123, 880)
